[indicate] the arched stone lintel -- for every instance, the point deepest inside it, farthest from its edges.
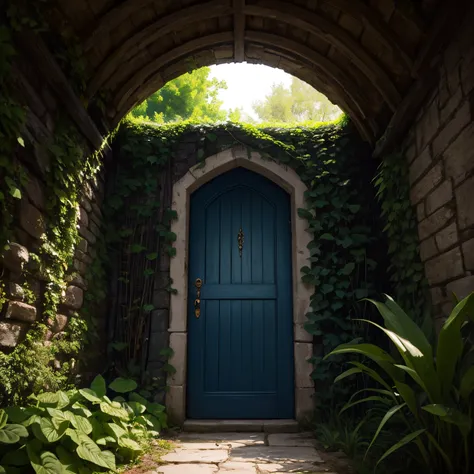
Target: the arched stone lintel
(197, 176)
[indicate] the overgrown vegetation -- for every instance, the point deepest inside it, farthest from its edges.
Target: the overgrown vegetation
(427, 387)
(78, 431)
(340, 212)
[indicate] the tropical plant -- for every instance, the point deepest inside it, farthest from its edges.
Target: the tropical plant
(429, 386)
(79, 431)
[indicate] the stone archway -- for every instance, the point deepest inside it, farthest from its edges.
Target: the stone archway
(287, 179)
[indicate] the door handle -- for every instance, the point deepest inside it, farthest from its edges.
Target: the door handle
(197, 301)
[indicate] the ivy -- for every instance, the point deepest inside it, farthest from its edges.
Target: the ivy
(340, 211)
(406, 269)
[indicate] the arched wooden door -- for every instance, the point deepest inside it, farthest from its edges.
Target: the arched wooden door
(240, 348)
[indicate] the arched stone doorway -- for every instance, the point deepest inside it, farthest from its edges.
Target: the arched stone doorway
(197, 176)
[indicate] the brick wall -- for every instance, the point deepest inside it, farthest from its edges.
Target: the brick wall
(440, 151)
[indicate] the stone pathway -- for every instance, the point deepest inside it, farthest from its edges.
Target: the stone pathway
(243, 453)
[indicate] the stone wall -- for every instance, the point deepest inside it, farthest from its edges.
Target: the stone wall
(20, 275)
(440, 151)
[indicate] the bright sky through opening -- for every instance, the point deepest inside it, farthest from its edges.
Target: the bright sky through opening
(247, 83)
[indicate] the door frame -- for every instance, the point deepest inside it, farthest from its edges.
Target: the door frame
(287, 179)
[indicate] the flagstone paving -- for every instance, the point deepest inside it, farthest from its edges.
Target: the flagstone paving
(244, 453)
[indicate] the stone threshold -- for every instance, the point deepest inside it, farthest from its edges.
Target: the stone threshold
(241, 426)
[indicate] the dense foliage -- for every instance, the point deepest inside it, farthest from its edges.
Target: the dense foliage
(340, 210)
(406, 270)
(427, 386)
(78, 431)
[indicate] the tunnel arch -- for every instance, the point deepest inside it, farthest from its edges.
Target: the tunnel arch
(362, 55)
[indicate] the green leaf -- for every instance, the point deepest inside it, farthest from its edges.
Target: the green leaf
(138, 408)
(348, 268)
(114, 409)
(21, 141)
(53, 399)
(135, 397)
(122, 385)
(68, 460)
(98, 386)
(115, 430)
(44, 462)
(385, 419)
(129, 443)
(326, 236)
(46, 432)
(405, 440)
(467, 384)
(90, 395)
(3, 418)
(90, 451)
(19, 457)
(304, 213)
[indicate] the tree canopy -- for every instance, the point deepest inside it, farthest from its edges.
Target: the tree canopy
(298, 103)
(195, 96)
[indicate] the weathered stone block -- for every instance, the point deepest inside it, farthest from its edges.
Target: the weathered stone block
(427, 183)
(435, 222)
(301, 335)
(175, 404)
(303, 368)
(465, 204)
(79, 266)
(34, 191)
(87, 234)
(83, 217)
(15, 291)
(461, 288)
(468, 253)
(15, 257)
(428, 126)
(85, 203)
(447, 237)
(452, 129)
(437, 295)
(83, 245)
(158, 342)
(11, 334)
(420, 165)
(444, 267)
(420, 211)
(439, 197)
(428, 249)
(77, 280)
(94, 228)
(20, 312)
(178, 343)
(459, 157)
(159, 320)
(59, 323)
(161, 299)
(451, 106)
(74, 297)
(31, 219)
(304, 404)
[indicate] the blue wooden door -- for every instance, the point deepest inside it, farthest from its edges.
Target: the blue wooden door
(240, 349)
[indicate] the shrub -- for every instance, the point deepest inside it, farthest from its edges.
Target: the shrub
(428, 386)
(80, 431)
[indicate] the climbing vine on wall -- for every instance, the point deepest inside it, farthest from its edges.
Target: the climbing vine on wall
(340, 212)
(406, 270)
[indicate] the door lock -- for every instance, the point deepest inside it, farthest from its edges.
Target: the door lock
(197, 301)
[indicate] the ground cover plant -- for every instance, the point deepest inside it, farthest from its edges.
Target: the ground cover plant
(426, 387)
(79, 431)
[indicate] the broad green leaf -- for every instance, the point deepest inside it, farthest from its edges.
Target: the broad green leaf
(68, 461)
(405, 440)
(385, 419)
(115, 430)
(11, 434)
(122, 385)
(155, 409)
(90, 451)
(408, 396)
(90, 395)
(138, 408)
(135, 397)
(18, 414)
(373, 398)
(129, 443)
(450, 342)
(46, 432)
(451, 415)
(106, 440)
(114, 409)
(348, 269)
(467, 384)
(347, 373)
(43, 462)
(98, 386)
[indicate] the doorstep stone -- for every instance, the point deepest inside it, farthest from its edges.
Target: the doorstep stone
(182, 456)
(274, 454)
(212, 445)
(232, 439)
(188, 468)
(292, 439)
(216, 426)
